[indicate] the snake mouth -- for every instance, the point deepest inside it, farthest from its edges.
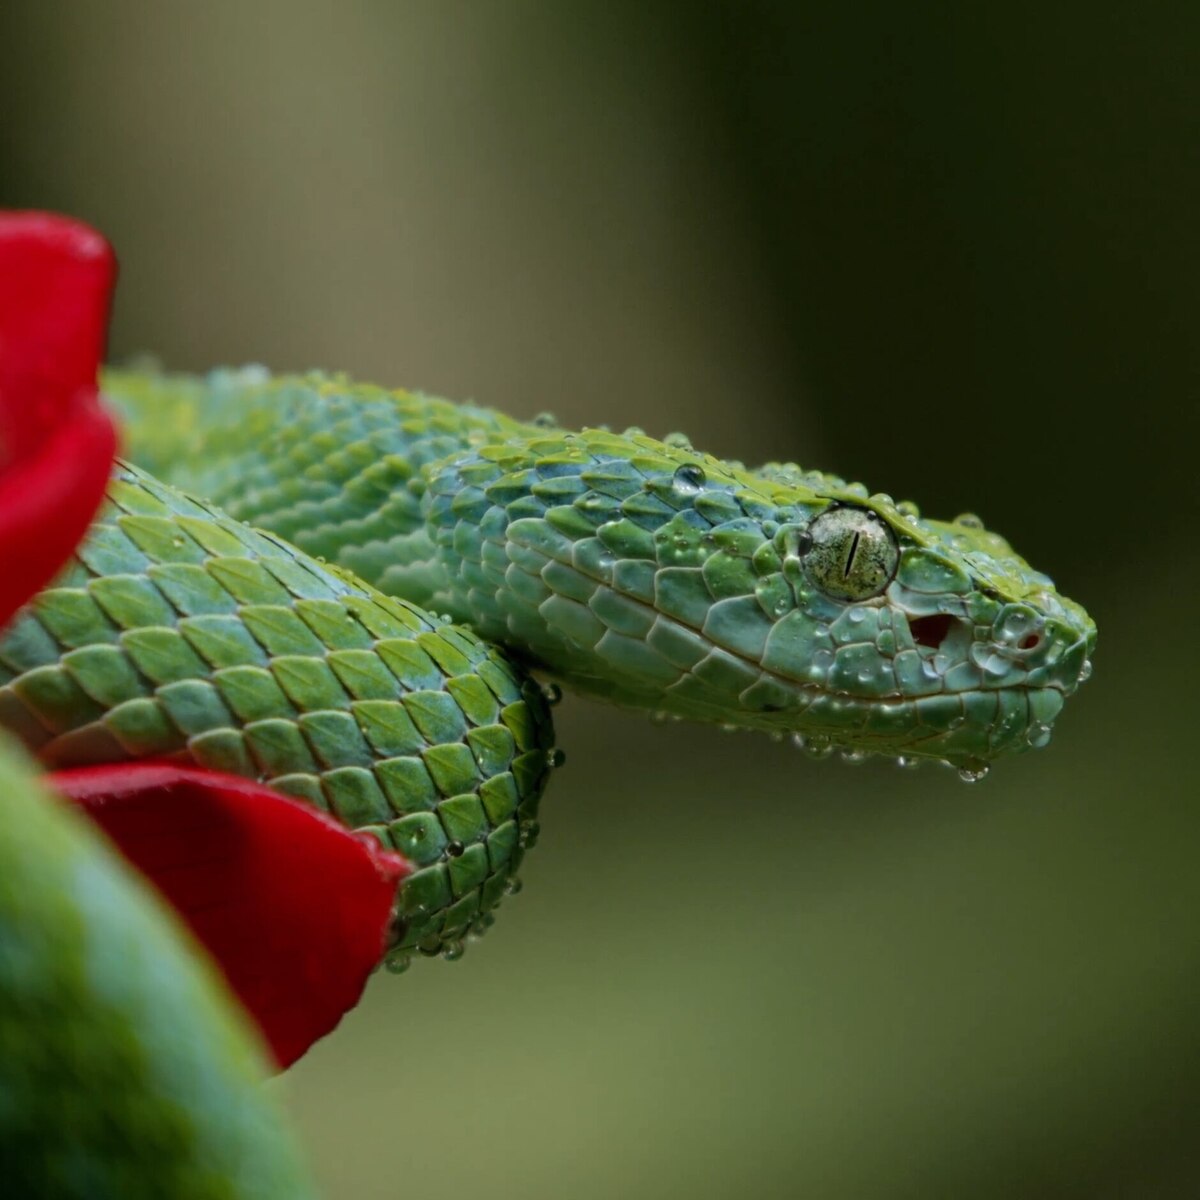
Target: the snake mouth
(975, 724)
(923, 708)
(958, 726)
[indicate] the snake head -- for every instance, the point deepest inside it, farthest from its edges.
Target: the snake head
(921, 638)
(887, 633)
(652, 576)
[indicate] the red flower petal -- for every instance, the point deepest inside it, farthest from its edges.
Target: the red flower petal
(56, 277)
(48, 501)
(294, 907)
(56, 442)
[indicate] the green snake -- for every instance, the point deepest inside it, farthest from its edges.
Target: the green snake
(369, 599)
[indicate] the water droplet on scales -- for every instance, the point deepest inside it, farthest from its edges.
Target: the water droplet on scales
(689, 479)
(398, 961)
(972, 770)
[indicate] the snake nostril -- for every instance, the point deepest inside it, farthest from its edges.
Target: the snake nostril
(1031, 641)
(930, 631)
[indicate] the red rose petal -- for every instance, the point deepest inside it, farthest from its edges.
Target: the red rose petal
(294, 907)
(56, 278)
(48, 501)
(56, 442)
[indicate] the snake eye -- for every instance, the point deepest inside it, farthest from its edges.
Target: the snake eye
(853, 555)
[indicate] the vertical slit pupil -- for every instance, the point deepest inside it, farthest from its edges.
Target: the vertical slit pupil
(850, 556)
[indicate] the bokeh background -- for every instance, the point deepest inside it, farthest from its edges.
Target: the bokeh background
(955, 256)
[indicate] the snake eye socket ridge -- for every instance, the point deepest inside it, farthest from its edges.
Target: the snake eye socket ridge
(852, 553)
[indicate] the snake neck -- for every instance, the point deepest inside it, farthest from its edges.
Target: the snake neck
(339, 470)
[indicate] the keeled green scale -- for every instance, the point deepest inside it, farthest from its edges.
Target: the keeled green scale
(180, 632)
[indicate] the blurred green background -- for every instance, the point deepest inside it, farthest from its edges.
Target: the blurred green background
(955, 256)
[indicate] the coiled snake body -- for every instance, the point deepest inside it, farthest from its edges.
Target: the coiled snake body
(264, 602)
